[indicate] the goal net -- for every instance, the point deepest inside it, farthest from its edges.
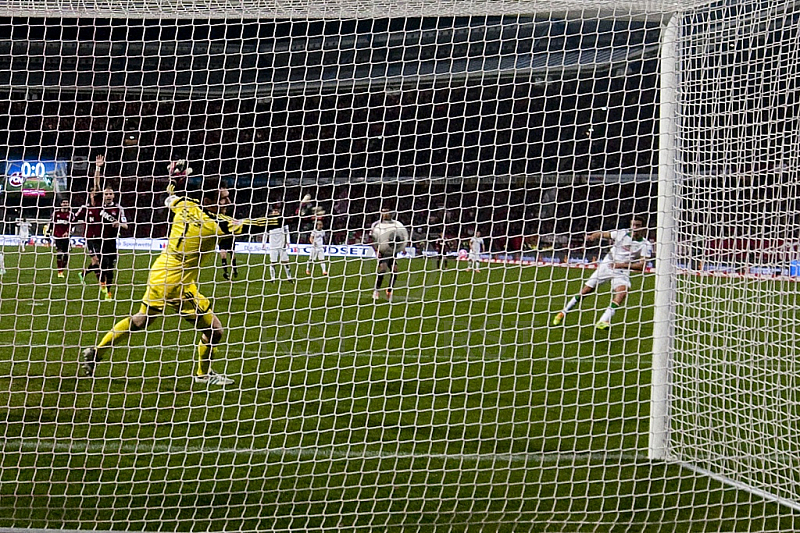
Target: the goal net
(588, 326)
(733, 408)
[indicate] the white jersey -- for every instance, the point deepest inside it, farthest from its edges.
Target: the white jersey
(318, 238)
(626, 249)
(476, 245)
(24, 229)
(278, 237)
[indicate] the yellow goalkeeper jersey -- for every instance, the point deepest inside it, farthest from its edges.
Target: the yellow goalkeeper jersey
(193, 233)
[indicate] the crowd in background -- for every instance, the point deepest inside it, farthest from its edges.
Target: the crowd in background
(515, 218)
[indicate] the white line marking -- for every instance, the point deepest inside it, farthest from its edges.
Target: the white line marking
(319, 452)
(626, 360)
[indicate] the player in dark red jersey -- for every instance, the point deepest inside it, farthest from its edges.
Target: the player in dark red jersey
(90, 215)
(59, 231)
(113, 219)
(443, 246)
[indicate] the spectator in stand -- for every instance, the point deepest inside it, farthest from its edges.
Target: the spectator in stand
(130, 148)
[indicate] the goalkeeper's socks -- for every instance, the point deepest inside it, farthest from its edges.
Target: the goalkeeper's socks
(391, 281)
(379, 281)
(120, 329)
(204, 356)
(609, 312)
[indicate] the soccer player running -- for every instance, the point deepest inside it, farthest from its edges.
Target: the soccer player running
(629, 251)
(317, 238)
(277, 236)
(385, 263)
(112, 217)
(227, 244)
(475, 249)
(60, 225)
(172, 282)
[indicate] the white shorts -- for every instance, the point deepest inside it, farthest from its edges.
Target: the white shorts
(474, 257)
(604, 274)
(317, 254)
(278, 254)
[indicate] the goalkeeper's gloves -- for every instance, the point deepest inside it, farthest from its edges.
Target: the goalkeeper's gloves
(171, 188)
(179, 168)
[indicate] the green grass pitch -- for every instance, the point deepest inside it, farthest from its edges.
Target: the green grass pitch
(455, 407)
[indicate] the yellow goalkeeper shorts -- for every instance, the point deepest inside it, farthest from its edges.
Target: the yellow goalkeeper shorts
(166, 289)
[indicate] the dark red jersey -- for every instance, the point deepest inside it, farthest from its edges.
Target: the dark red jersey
(91, 215)
(60, 222)
(109, 214)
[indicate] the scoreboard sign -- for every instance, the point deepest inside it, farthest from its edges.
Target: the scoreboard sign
(35, 177)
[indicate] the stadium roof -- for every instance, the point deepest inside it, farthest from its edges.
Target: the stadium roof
(330, 57)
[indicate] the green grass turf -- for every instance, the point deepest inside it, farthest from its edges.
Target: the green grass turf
(453, 408)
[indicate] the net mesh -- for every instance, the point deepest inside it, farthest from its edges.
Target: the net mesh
(733, 372)
(517, 145)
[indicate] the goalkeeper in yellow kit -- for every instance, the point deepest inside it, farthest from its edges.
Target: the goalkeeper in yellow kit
(195, 230)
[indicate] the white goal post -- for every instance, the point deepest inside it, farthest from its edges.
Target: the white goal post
(592, 325)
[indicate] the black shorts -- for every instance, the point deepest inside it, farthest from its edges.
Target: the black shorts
(94, 246)
(108, 247)
(108, 254)
(108, 261)
(61, 245)
(227, 244)
(388, 261)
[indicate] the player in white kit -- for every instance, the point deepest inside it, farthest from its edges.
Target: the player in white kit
(475, 249)
(317, 238)
(629, 252)
(24, 233)
(277, 238)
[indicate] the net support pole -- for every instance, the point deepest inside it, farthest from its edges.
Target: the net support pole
(658, 448)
